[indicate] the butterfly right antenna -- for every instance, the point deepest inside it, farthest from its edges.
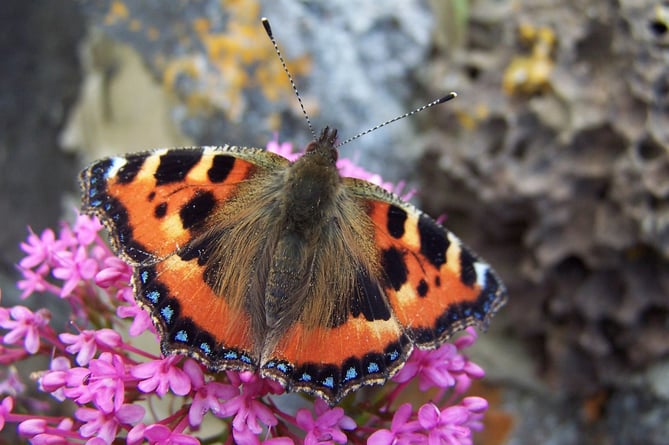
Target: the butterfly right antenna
(441, 100)
(268, 30)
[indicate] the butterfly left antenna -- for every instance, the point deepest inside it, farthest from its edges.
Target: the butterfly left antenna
(268, 30)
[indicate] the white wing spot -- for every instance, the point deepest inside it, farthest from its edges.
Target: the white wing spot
(481, 271)
(117, 163)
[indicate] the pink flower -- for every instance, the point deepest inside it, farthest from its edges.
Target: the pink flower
(32, 427)
(477, 406)
(452, 424)
(76, 384)
(115, 272)
(161, 435)
(39, 249)
(42, 434)
(102, 383)
(433, 368)
(26, 326)
(86, 229)
(327, 426)
(402, 431)
(55, 379)
(284, 149)
(105, 425)
(141, 320)
(207, 395)
(158, 375)
(106, 381)
(6, 408)
(249, 412)
(86, 343)
(33, 281)
(444, 367)
(74, 268)
(350, 169)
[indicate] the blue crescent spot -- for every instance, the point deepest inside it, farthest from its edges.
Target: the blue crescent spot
(373, 368)
(351, 373)
(230, 355)
(329, 382)
(167, 312)
(181, 336)
(305, 377)
(153, 296)
(204, 347)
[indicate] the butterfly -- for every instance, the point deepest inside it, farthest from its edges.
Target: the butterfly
(247, 261)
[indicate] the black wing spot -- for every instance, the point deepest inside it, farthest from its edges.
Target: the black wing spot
(396, 219)
(175, 165)
(194, 213)
(160, 210)
(367, 299)
(220, 168)
(433, 241)
(395, 268)
(467, 270)
(422, 288)
(127, 173)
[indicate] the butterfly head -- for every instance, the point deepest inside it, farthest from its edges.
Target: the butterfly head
(324, 146)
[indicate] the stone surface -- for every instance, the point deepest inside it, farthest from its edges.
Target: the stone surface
(40, 82)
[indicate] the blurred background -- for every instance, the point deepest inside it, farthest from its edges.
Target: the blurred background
(553, 162)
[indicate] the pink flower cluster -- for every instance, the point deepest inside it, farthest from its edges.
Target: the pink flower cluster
(121, 391)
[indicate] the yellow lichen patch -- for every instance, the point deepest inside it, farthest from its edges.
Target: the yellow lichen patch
(152, 33)
(531, 74)
(471, 120)
(201, 25)
(117, 11)
(223, 63)
(242, 57)
(135, 25)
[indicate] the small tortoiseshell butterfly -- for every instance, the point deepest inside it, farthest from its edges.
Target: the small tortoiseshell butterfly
(247, 261)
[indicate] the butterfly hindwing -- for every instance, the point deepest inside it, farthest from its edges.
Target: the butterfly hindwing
(174, 291)
(434, 284)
